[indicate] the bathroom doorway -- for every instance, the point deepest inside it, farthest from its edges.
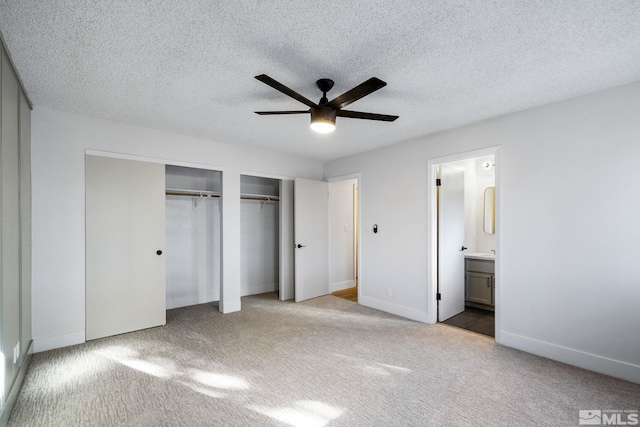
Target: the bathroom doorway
(464, 241)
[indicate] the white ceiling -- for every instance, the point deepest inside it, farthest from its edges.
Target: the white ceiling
(188, 66)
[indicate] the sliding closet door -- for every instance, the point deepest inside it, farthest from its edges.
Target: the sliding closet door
(125, 239)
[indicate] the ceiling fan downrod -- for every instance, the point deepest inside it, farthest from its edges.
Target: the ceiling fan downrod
(325, 86)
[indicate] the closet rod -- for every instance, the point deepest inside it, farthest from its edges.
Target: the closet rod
(191, 191)
(259, 197)
(204, 195)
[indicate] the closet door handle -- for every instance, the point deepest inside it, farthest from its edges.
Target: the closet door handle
(158, 252)
(300, 246)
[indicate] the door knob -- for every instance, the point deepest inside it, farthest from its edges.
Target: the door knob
(463, 249)
(300, 246)
(159, 252)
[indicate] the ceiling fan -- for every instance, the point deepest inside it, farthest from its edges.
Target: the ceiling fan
(324, 113)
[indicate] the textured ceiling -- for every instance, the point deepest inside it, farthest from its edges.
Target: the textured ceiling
(188, 66)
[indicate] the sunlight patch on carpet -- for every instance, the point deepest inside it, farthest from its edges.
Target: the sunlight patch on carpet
(223, 381)
(204, 390)
(159, 367)
(303, 413)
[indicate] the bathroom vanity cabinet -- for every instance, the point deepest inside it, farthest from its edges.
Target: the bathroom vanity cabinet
(480, 283)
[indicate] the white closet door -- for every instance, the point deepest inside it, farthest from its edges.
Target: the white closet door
(10, 221)
(450, 242)
(311, 233)
(125, 228)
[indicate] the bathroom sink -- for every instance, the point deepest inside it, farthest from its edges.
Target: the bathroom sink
(480, 255)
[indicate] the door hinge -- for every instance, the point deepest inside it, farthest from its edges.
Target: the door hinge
(438, 182)
(438, 296)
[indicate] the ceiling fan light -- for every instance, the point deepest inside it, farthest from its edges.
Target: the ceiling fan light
(323, 126)
(323, 119)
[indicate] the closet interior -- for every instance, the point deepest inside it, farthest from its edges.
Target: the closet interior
(260, 235)
(193, 227)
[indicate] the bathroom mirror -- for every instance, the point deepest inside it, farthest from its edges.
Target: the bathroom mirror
(489, 223)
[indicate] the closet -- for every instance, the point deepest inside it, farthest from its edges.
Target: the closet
(259, 235)
(15, 234)
(193, 245)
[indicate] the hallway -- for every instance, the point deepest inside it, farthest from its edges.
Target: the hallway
(350, 294)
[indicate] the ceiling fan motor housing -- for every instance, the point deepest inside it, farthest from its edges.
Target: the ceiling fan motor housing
(323, 113)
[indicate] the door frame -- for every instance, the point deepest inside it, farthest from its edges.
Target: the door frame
(358, 255)
(432, 230)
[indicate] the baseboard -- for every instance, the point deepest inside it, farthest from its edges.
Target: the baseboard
(192, 300)
(581, 359)
(398, 310)
(258, 289)
(230, 307)
(338, 286)
(5, 414)
(58, 341)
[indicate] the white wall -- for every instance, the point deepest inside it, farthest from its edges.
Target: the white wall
(484, 242)
(59, 143)
(476, 179)
(193, 237)
(342, 233)
(259, 246)
(192, 251)
(260, 235)
(568, 255)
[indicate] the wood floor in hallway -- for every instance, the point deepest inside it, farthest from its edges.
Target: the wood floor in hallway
(351, 294)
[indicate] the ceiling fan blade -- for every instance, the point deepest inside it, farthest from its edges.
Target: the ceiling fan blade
(282, 88)
(271, 113)
(362, 90)
(367, 116)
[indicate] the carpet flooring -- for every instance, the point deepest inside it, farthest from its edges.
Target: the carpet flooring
(323, 362)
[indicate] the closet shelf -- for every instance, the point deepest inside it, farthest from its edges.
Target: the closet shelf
(263, 197)
(191, 193)
(204, 194)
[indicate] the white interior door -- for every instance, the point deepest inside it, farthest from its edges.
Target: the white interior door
(450, 242)
(311, 234)
(125, 230)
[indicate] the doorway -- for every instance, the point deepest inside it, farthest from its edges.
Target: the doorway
(153, 241)
(464, 241)
(193, 235)
(344, 237)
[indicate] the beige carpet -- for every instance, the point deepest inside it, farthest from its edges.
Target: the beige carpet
(324, 362)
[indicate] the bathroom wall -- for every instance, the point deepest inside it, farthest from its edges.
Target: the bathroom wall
(476, 179)
(484, 178)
